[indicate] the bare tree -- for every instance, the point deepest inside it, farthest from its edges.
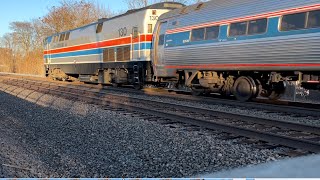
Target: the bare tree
(135, 4)
(23, 34)
(72, 14)
(7, 54)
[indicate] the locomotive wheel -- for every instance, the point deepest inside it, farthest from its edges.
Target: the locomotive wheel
(245, 88)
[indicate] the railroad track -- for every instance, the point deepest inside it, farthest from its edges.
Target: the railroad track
(293, 135)
(284, 107)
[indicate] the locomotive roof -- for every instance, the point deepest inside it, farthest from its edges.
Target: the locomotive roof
(162, 5)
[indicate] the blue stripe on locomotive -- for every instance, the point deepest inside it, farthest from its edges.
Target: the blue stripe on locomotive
(143, 46)
(77, 53)
(183, 38)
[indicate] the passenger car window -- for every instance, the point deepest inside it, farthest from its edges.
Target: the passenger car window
(314, 19)
(293, 22)
(238, 29)
(257, 26)
(197, 34)
(212, 32)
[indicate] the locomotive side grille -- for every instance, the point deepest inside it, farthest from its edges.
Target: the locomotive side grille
(120, 54)
(126, 53)
(108, 55)
(105, 55)
(111, 55)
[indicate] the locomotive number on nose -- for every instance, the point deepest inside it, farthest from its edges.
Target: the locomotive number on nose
(153, 18)
(123, 32)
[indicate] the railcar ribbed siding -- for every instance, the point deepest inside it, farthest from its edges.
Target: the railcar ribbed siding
(303, 48)
(274, 51)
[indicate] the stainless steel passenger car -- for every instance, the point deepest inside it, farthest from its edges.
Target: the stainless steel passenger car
(241, 47)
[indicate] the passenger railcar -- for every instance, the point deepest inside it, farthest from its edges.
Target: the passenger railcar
(110, 51)
(241, 47)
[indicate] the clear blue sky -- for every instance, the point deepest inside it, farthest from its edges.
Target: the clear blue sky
(25, 10)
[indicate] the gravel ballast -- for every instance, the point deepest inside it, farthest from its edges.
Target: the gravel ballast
(47, 136)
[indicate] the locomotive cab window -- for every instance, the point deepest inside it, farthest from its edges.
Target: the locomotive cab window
(314, 19)
(238, 29)
(293, 22)
(257, 26)
(197, 34)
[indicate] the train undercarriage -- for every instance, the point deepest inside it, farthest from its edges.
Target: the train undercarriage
(244, 85)
(116, 74)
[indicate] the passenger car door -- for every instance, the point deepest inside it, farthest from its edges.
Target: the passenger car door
(160, 43)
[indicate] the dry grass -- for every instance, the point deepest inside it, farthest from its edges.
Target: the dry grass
(32, 63)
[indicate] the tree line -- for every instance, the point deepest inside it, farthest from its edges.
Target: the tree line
(21, 49)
